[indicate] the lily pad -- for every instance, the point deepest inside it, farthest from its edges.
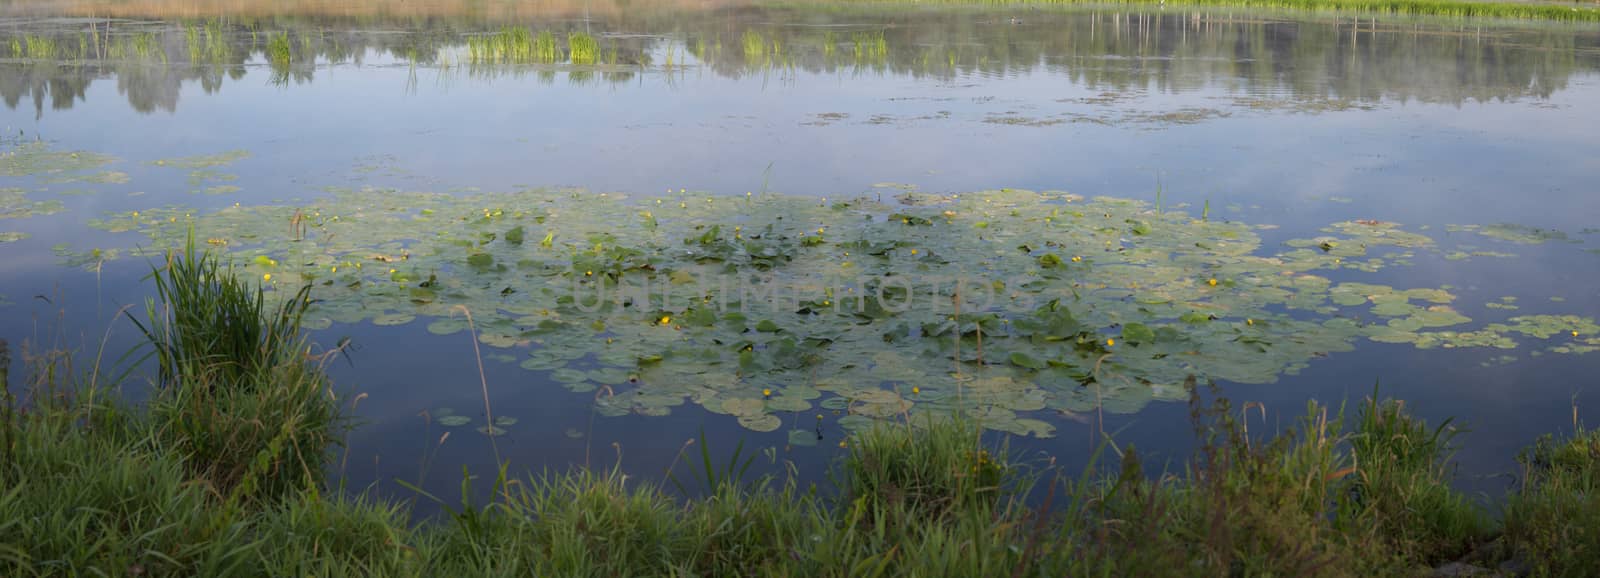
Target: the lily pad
(713, 300)
(803, 438)
(760, 423)
(454, 420)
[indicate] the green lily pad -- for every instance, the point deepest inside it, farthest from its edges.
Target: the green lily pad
(753, 301)
(760, 423)
(447, 326)
(14, 204)
(203, 161)
(744, 406)
(803, 438)
(388, 319)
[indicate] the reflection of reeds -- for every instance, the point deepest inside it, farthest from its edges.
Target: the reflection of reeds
(871, 46)
(1451, 8)
(141, 46)
(208, 43)
(754, 45)
(279, 53)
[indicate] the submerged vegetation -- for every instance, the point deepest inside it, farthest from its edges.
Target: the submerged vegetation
(219, 473)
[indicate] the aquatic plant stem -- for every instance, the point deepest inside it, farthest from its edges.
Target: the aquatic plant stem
(483, 380)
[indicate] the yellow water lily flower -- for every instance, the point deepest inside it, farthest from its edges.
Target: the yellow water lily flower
(1211, 282)
(665, 319)
(915, 389)
(766, 393)
(266, 276)
(1110, 342)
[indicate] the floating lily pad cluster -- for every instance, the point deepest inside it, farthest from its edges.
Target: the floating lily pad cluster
(1520, 234)
(203, 177)
(15, 204)
(38, 159)
(1003, 305)
(448, 417)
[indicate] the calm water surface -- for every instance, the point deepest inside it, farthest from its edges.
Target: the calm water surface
(1290, 120)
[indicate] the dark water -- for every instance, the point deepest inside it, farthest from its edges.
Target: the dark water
(1291, 120)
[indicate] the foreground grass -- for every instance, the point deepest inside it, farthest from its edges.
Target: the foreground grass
(1585, 11)
(219, 475)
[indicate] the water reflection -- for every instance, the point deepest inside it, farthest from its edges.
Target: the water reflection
(1322, 57)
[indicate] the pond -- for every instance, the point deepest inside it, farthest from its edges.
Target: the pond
(771, 224)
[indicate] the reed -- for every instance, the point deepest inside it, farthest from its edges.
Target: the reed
(1583, 12)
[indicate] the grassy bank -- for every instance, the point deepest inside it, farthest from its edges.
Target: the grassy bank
(1585, 11)
(220, 474)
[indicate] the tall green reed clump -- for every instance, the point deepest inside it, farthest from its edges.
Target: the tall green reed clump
(544, 47)
(1398, 490)
(1316, 500)
(91, 486)
(1552, 521)
(241, 392)
(583, 48)
(514, 45)
(90, 491)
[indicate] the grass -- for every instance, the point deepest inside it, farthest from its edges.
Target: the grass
(755, 46)
(583, 48)
(240, 393)
(279, 52)
(208, 43)
(1554, 518)
(219, 473)
(514, 45)
(1584, 12)
(143, 46)
(870, 46)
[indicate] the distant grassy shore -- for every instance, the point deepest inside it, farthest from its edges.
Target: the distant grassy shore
(221, 473)
(1584, 11)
